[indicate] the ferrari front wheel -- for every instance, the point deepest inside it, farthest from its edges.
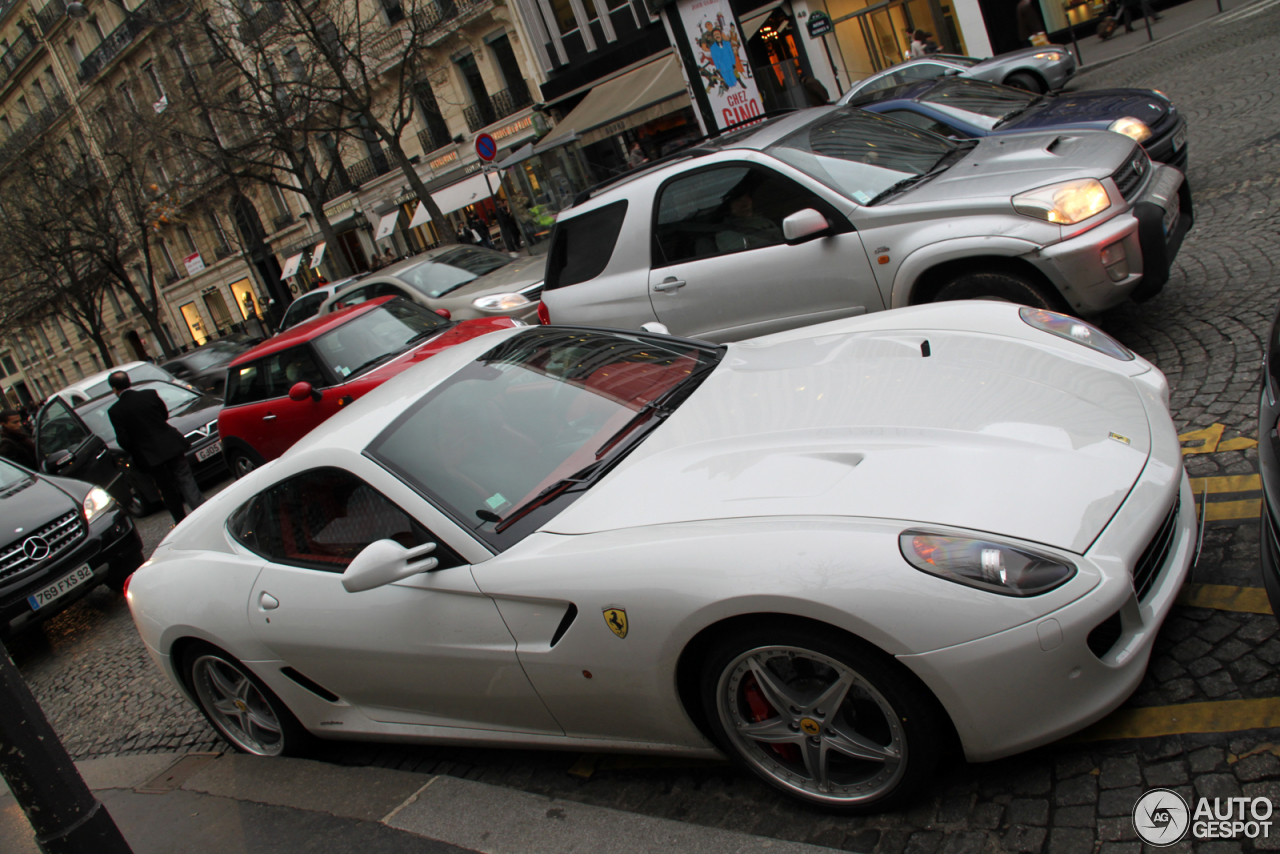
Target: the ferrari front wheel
(823, 717)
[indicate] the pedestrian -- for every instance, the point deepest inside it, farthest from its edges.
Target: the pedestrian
(464, 234)
(635, 157)
(15, 443)
(510, 230)
(1029, 21)
(927, 44)
(814, 90)
(480, 230)
(143, 431)
(1129, 9)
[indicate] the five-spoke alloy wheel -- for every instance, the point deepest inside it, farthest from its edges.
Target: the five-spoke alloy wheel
(243, 710)
(830, 721)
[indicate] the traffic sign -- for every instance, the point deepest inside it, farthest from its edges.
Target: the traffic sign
(486, 147)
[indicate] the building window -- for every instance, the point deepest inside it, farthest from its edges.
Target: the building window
(73, 48)
(169, 267)
(115, 303)
(93, 24)
(126, 96)
(395, 12)
(9, 366)
(293, 59)
(152, 76)
(562, 13)
(6, 125)
(188, 242)
(51, 84)
(24, 108)
(37, 89)
(219, 233)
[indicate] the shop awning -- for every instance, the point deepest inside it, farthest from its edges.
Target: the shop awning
(420, 216)
(317, 256)
(468, 191)
(387, 224)
(518, 156)
(291, 266)
(752, 23)
(626, 101)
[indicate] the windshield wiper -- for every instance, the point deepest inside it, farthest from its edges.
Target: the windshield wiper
(1015, 113)
(374, 361)
(940, 165)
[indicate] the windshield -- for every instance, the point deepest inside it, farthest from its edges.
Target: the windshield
(535, 420)
(978, 103)
(11, 474)
(376, 336)
(302, 308)
(177, 400)
(202, 359)
(453, 269)
(861, 154)
(136, 375)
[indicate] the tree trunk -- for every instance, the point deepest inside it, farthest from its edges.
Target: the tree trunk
(443, 230)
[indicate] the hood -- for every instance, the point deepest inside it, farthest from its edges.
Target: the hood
(1015, 57)
(519, 274)
(987, 433)
(196, 414)
(1083, 108)
(1001, 166)
(29, 505)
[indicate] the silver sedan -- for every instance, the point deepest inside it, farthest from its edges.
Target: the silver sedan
(1036, 69)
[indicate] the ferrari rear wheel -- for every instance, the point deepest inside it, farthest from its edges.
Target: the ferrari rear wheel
(824, 718)
(240, 707)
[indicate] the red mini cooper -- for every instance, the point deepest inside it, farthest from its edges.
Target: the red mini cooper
(285, 386)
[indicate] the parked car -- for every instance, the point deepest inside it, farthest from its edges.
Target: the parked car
(1269, 465)
(964, 109)
(1036, 69)
(281, 389)
(831, 553)
(832, 212)
(308, 305)
(466, 281)
(206, 367)
(62, 538)
(80, 442)
(95, 385)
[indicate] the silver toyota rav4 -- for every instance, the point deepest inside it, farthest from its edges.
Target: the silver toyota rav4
(834, 211)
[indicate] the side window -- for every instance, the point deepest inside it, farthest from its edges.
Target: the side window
(724, 210)
(59, 429)
(916, 120)
(291, 366)
(355, 296)
(923, 71)
(247, 384)
(888, 81)
(582, 246)
(323, 518)
(390, 290)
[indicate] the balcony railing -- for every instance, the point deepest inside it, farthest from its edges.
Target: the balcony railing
(436, 134)
(368, 169)
(120, 38)
(334, 187)
(51, 14)
(511, 100)
(222, 252)
(21, 48)
(282, 220)
(262, 20)
(33, 127)
(480, 114)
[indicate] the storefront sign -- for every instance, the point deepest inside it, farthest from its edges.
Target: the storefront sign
(472, 168)
(719, 54)
(194, 263)
(334, 210)
(819, 24)
(513, 128)
(444, 160)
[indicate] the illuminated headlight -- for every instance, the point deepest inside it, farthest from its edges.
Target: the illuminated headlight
(988, 565)
(1049, 54)
(500, 302)
(1132, 128)
(1075, 330)
(1066, 203)
(97, 501)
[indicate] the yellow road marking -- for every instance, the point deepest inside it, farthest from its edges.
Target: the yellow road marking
(1220, 511)
(1221, 716)
(1209, 441)
(1235, 483)
(1246, 600)
(1240, 443)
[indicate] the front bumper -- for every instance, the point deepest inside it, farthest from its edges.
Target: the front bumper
(1076, 266)
(112, 549)
(1040, 681)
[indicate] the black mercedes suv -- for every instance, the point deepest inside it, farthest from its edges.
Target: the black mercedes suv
(59, 538)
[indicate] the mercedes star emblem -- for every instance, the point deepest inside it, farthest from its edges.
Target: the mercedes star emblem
(35, 548)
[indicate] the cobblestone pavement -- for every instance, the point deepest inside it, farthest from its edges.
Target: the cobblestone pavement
(1205, 330)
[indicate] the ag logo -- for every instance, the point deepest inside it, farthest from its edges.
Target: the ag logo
(616, 620)
(1161, 817)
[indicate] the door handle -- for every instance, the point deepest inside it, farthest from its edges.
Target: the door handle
(670, 283)
(268, 418)
(267, 601)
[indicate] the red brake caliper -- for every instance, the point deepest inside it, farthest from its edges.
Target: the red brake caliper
(762, 710)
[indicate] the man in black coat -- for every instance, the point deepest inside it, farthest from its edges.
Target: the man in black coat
(141, 422)
(15, 444)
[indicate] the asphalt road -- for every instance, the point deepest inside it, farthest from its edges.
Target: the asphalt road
(1206, 331)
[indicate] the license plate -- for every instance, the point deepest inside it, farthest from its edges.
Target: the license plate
(1179, 138)
(216, 448)
(1171, 215)
(61, 587)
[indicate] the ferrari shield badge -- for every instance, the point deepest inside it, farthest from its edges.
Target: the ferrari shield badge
(616, 620)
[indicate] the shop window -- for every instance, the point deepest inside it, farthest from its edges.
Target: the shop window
(195, 325)
(217, 307)
(246, 299)
(562, 14)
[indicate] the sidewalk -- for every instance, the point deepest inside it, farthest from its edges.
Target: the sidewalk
(232, 804)
(1174, 21)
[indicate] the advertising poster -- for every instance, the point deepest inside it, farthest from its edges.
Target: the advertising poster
(720, 55)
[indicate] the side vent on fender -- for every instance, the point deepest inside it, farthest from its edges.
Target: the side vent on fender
(314, 687)
(565, 622)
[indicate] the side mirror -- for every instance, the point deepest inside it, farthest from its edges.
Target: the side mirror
(444, 312)
(59, 461)
(804, 225)
(301, 391)
(384, 562)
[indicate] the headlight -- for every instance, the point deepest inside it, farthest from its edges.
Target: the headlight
(97, 501)
(987, 565)
(500, 302)
(1049, 54)
(1075, 330)
(1132, 128)
(1066, 203)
